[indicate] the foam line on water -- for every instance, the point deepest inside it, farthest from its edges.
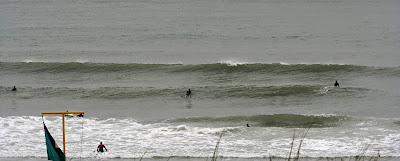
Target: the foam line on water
(128, 138)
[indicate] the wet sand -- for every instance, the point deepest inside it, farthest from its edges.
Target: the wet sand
(203, 159)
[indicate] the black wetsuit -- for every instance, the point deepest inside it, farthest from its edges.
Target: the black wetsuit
(188, 93)
(100, 148)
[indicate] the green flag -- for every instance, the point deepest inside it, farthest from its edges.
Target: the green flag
(53, 151)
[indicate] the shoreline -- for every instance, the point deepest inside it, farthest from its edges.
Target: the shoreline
(204, 159)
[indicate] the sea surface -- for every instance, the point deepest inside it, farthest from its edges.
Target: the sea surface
(269, 64)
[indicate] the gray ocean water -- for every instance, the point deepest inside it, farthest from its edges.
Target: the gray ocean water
(267, 63)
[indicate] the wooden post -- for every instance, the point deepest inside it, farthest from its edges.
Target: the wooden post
(63, 116)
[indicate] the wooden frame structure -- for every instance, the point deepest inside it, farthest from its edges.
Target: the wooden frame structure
(63, 121)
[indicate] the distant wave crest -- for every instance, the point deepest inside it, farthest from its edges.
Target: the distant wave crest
(82, 66)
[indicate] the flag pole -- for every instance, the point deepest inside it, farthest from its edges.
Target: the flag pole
(63, 117)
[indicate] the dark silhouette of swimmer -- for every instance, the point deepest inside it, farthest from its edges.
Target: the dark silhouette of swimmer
(14, 89)
(101, 148)
(68, 115)
(80, 115)
(336, 83)
(188, 93)
(248, 125)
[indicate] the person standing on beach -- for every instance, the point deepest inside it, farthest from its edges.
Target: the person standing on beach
(101, 148)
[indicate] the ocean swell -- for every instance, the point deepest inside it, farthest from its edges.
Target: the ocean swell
(206, 92)
(277, 120)
(275, 68)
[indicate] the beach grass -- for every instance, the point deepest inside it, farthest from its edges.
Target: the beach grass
(297, 157)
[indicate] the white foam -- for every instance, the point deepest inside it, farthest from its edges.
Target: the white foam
(232, 62)
(34, 61)
(81, 61)
(28, 61)
(127, 138)
(283, 63)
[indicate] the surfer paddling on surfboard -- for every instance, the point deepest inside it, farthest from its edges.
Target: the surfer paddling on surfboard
(188, 93)
(336, 83)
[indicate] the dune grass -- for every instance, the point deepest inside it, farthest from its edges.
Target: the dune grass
(214, 158)
(296, 157)
(360, 157)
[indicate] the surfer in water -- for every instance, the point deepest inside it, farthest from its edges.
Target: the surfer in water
(14, 89)
(188, 93)
(101, 148)
(336, 83)
(68, 115)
